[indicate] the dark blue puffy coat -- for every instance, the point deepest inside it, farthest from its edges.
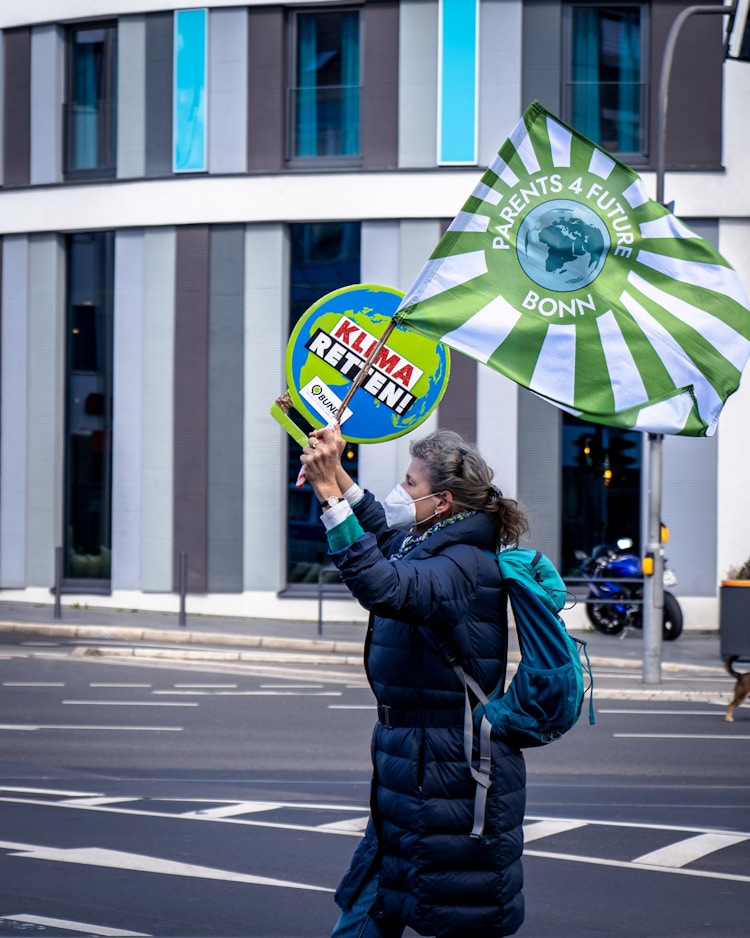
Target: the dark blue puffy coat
(447, 591)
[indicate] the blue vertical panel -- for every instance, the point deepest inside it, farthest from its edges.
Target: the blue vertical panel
(13, 407)
(189, 108)
(457, 83)
(127, 423)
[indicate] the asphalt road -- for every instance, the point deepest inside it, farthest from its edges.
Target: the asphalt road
(177, 800)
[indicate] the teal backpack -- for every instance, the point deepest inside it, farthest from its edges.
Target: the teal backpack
(545, 696)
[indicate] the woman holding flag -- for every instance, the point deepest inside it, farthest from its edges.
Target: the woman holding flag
(423, 563)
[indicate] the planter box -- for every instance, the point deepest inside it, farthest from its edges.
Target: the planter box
(734, 618)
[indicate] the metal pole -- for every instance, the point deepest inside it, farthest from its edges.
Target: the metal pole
(653, 585)
(666, 70)
(57, 612)
(183, 587)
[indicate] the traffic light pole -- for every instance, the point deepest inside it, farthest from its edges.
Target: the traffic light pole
(653, 586)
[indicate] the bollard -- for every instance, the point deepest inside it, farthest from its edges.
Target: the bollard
(57, 611)
(183, 587)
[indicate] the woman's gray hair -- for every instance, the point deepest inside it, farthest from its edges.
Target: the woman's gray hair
(453, 464)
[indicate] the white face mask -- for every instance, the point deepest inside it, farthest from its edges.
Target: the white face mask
(401, 509)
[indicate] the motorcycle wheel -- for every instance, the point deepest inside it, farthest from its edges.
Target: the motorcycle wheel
(672, 623)
(604, 618)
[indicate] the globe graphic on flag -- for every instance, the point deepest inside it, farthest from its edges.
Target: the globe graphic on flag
(562, 245)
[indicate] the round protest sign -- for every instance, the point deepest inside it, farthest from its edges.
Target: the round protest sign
(329, 347)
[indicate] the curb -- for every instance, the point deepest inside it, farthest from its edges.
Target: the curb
(316, 650)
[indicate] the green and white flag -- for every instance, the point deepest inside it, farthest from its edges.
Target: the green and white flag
(561, 273)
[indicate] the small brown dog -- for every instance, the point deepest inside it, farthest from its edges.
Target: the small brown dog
(741, 688)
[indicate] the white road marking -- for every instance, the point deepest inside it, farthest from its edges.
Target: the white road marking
(288, 686)
(96, 802)
(243, 693)
(214, 686)
(350, 825)
(669, 713)
(110, 684)
(548, 828)
(50, 791)
(89, 726)
(723, 736)
(73, 926)
(630, 865)
(231, 810)
(141, 863)
(690, 850)
(352, 707)
(125, 703)
(33, 684)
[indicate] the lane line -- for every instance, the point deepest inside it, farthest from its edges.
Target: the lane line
(125, 703)
(690, 850)
(74, 926)
(51, 791)
(112, 684)
(33, 684)
(629, 865)
(670, 713)
(352, 707)
(24, 727)
(142, 863)
(358, 824)
(724, 736)
(215, 686)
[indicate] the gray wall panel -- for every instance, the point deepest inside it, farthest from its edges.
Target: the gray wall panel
(13, 410)
(225, 408)
(417, 105)
(266, 84)
(690, 478)
(458, 408)
(159, 44)
(539, 476)
(266, 296)
(227, 91)
(131, 97)
(128, 405)
(46, 104)
(540, 53)
(158, 415)
(2, 102)
(46, 385)
(16, 116)
(500, 105)
(379, 141)
(191, 405)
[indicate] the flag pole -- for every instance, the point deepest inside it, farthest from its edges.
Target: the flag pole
(653, 586)
(359, 380)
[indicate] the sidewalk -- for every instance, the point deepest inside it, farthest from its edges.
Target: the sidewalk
(691, 667)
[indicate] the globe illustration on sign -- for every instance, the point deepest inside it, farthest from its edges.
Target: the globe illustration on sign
(562, 245)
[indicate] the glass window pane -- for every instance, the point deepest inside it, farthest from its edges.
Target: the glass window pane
(190, 32)
(324, 257)
(91, 105)
(88, 417)
(606, 92)
(601, 482)
(325, 98)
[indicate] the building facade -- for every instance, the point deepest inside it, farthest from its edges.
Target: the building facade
(178, 184)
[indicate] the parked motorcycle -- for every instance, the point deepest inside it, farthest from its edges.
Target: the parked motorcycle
(615, 575)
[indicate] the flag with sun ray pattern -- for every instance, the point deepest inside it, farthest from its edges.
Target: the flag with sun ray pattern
(561, 273)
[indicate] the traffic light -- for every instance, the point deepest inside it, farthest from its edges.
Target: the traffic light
(587, 451)
(618, 447)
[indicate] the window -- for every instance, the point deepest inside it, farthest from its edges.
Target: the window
(91, 100)
(324, 97)
(601, 482)
(88, 418)
(324, 257)
(605, 91)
